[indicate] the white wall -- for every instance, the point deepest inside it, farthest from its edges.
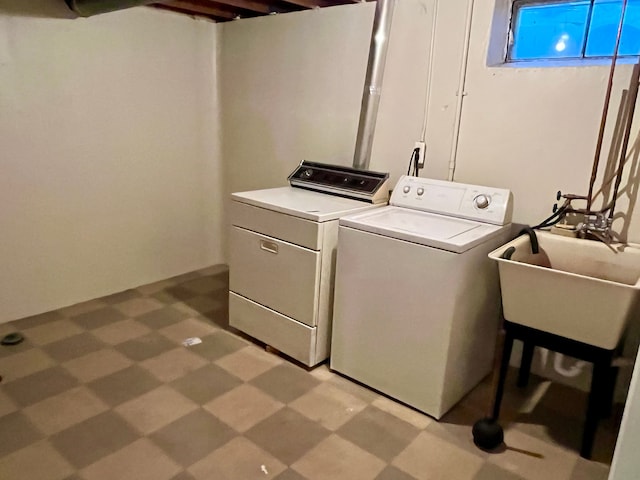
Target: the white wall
(110, 174)
(290, 90)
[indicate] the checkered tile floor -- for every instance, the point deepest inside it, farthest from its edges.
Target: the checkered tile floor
(104, 390)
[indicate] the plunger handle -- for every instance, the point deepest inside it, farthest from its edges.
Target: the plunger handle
(497, 388)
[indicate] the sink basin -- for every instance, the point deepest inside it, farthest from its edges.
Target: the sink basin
(589, 294)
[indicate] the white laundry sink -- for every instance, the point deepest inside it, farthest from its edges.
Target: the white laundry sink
(589, 294)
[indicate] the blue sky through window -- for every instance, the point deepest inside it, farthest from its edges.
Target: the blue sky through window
(573, 29)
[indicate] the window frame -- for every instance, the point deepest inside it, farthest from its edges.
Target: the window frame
(517, 5)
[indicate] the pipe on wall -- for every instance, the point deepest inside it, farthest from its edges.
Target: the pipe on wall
(461, 90)
(373, 83)
(432, 49)
(87, 8)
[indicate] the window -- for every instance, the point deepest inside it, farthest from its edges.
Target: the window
(572, 29)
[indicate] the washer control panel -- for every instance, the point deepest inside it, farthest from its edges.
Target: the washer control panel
(473, 202)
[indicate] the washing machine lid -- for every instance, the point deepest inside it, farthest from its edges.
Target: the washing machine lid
(315, 206)
(432, 230)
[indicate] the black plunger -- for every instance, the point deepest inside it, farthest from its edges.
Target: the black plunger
(487, 432)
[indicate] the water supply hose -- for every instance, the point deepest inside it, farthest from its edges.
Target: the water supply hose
(533, 239)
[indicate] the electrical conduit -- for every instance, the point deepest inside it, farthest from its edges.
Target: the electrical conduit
(461, 91)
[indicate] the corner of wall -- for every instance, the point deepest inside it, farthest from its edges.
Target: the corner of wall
(211, 141)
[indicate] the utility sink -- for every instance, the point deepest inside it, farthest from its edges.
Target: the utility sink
(589, 294)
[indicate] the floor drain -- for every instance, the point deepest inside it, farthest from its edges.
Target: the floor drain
(12, 339)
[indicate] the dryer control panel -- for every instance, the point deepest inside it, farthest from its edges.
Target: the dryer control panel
(473, 202)
(342, 181)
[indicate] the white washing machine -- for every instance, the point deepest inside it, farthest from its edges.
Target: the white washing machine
(282, 255)
(417, 301)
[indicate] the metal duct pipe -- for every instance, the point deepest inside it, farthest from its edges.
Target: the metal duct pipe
(373, 83)
(87, 8)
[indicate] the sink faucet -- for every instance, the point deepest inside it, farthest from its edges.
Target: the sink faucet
(597, 223)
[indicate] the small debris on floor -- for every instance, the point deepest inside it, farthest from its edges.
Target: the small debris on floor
(191, 341)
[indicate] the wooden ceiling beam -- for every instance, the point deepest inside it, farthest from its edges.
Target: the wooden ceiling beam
(223, 10)
(199, 8)
(321, 3)
(169, 8)
(309, 3)
(250, 5)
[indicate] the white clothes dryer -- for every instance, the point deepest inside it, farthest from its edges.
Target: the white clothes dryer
(417, 300)
(282, 255)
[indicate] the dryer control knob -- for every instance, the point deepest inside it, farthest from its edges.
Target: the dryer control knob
(406, 189)
(308, 172)
(420, 191)
(481, 201)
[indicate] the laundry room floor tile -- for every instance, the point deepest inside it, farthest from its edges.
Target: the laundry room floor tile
(98, 318)
(173, 364)
(96, 364)
(379, 432)
(140, 460)
(429, 456)
(338, 459)
(285, 382)
(193, 437)
(88, 441)
(52, 331)
(243, 407)
(205, 383)
(122, 331)
(105, 389)
(248, 362)
(328, 405)
(237, 459)
(39, 460)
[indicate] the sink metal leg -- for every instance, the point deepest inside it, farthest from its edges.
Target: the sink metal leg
(525, 364)
(607, 403)
(602, 379)
(504, 366)
(597, 397)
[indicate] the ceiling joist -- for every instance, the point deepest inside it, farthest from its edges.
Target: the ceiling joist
(253, 6)
(204, 8)
(225, 10)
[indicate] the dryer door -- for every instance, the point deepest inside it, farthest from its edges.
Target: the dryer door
(277, 274)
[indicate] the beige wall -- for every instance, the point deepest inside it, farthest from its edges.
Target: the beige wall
(291, 87)
(110, 174)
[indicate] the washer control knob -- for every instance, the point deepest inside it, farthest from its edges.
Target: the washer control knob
(420, 191)
(406, 189)
(308, 172)
(482, 201)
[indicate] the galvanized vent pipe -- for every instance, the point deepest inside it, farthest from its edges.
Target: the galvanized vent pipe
(373, 83)
(87, 8)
